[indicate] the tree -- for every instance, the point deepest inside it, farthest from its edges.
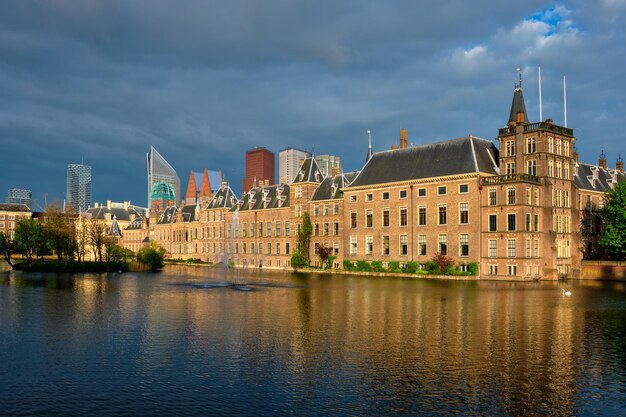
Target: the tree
(304, 236)
(152, 255)
(613, 216)
(324, 253)
(29, 239)
(117, 253)
(442, 261)
(96, 237)
(60, 232)
(7, 247)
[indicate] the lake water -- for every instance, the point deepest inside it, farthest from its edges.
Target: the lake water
(166, 344)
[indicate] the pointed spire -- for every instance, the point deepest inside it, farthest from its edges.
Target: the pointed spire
(369, 146)
(518, 108)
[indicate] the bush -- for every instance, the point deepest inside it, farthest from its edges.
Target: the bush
(473, 268)
(363, 266)
(348, 265)
(377, 266)
(152, 255)
(451, 270)
(411, 267)
(431, 266)
(331, 260)
(394, 266)
(298, 260)
(443, 262)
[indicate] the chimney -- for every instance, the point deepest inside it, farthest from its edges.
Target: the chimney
(334, 171)
(394, 146)
(549, 121)
(224, 183)
(109, 204)
(619, 165)
(403, 138)
(602, 160)
(126, 204)
(96, 204)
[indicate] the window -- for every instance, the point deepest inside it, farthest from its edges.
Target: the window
(493, 197)
(463, 245)
(403, 216)
(336, 228)
(443, 244)
(550, 168)
(336, 209)
(269, 248)
(512, 269)
(369, 218)
(421, 192)
(510, 168)
(442, 214)
(268, 229)
(385, 245)
(287, 228)
(528, 222)
(511, 249)
(493, 248)
(326, 229)
(336, 248)
(550, 145)
(353, 199)
(463, 188)
(260, 224)
(422, 216)
(325, 210)
(277, 229)
(510, 196)
(536, 223)
(536, 248)
(386, 217)
(352, 245)
(441, 190)
(277, 248)
(493, 269)
(532, 167)
(316, 210)
(421, 243)
(493, 222)
(510, 148)
(386, 195)
(510, 221)
(287, 248)
(316, 229)
(566, 170)
(404, 245)
(528, 246)
(531, 145)
(298, 191)
(369, 245)
(558, 169)
(353, 219)
(463, 213)
(558, 146)
(402, 193)
(369, 197)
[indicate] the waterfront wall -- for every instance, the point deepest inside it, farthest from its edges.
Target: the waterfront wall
(603, 270)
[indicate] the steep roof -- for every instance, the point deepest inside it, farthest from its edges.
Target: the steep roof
(189, 213)
(260, 198)
(331, 187)
(309, 172)
(223, 198)
(14, 207)
(595, 178)
(451, 157)
(168, 216)
(136, 224)
(517, 106)
(120, 213)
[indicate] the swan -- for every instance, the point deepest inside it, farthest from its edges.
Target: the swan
(566, 293)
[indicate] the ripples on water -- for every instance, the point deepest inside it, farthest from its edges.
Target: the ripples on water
(179, 343)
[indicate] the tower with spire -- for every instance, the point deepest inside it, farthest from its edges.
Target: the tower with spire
(527, 209)
(369, 146)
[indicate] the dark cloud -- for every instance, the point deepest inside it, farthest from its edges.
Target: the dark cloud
(203, 81)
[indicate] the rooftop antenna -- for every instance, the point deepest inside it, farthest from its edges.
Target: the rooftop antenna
(540, 108)
(564, 101)
(519, 70)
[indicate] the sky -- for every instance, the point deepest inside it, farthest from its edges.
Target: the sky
(203, 81)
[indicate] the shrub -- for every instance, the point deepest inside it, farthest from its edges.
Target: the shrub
(442, 261)
(411, 267)
(298, 260)
(363, 266)
(331, 261)
(451, 270)
(473, 268)
(152, 255)
(431, 266)
(394, 266)
(377, 266)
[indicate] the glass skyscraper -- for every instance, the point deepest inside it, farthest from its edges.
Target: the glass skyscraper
(19, 196)
(78, 193)
(163, 182)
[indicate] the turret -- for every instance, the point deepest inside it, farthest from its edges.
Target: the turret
(619, 165)
(602, 160)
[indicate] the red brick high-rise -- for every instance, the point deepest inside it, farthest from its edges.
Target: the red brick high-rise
(259, 166)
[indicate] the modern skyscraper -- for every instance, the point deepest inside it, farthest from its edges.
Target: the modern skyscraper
(163, 182)
(19, 196)
(78, 191)
(289, 160)
(327, 163)
(259, 166)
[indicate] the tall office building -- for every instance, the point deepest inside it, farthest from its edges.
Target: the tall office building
(327, 163)
(259, 166)
(289, 161)
(78, 191)
(19, 196)
(163, 182)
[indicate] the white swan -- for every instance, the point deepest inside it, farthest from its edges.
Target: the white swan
(566, 293)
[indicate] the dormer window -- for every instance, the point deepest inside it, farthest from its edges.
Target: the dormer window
(333, 189)
(281, 200)
(280, 190)
(317, 175)
(265, 193)
(251, 203)
(301, 176)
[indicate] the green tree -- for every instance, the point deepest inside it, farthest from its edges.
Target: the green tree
(304, 236)
(117, 253)
(29, 239)
(7, 247)
(60, 232)
(152, 255)
(613, 216)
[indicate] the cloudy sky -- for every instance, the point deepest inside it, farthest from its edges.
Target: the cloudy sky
(203, 81)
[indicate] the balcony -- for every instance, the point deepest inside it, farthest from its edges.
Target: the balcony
(531, 127)
(507, 178)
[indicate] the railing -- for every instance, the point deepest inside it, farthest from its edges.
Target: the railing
(538, 126)
(499, 179)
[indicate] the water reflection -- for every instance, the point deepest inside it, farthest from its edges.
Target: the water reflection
(324, 344)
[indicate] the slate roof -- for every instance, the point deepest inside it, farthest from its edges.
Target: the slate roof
(517, 106)
(331, 187)
(451, 157)
(120, 213)
(189, 213)
(14, 207)
(309, 172)
(168, 216)
(605, 179)
(261, 198)
(223, 198)
(135, 224)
